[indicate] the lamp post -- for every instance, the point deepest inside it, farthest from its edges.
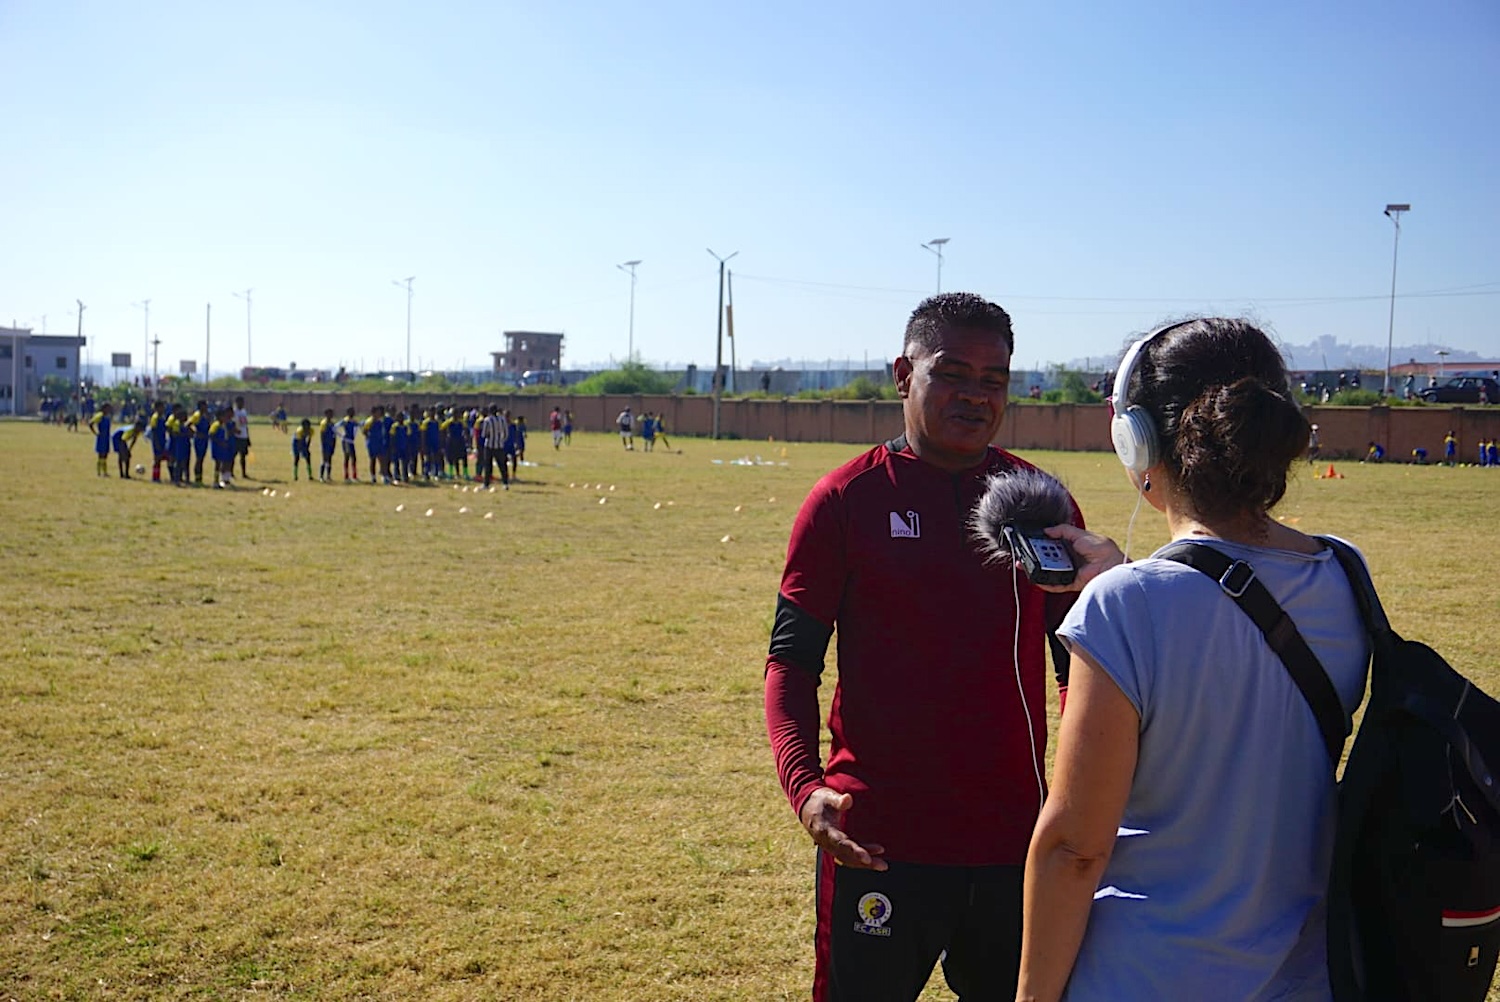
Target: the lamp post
(935, 246)
(719, 348)
(78, 369)
(629, 268)
(1442, 356)
(249, 361)
(407, 282)
(145, 304)
(1393, 213)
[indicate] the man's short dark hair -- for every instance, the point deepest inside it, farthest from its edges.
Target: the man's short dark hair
(955, 311)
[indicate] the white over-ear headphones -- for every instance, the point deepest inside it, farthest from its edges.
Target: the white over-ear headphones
(1132, 430)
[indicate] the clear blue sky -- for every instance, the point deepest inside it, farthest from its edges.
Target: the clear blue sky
(1097, 166)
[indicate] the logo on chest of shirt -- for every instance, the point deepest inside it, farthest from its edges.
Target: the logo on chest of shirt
(908, 527)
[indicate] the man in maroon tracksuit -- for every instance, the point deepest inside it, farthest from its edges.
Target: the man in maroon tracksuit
(935, 777)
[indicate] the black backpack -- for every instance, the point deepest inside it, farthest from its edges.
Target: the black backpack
(1414, 893)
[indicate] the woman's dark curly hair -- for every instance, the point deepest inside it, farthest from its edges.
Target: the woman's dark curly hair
(1218, 392)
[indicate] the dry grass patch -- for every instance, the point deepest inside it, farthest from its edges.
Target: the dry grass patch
(311, 747)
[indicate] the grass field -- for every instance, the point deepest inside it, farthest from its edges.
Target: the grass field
(308, 747)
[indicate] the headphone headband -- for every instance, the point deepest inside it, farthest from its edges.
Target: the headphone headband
(1131, 359)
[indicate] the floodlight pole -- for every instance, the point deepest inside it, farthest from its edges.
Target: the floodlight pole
(629, 268)
(718, 382)
(935, 246)
(407, 282)
(78, 369)
(145, 304)
(729, 323)
(1393, 212)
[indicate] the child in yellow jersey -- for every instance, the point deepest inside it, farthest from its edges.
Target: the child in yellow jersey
(222, 446)
(124, 440)
(328, 434)
(99, 425)
(302, 449)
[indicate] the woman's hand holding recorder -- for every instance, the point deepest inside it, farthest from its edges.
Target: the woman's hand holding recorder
(1096, 554)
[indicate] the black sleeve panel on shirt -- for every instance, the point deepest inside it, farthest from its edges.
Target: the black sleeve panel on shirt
(799, 638)
(1060, 658)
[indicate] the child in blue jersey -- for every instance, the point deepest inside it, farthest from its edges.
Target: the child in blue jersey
(375, 444)
(432, 444)
(200, 421)
(1484, 454)
(156, 430)
(389, 418)
(124, 440)
(348, 437)
(328, 437)
(413, 446)
(302, 449)
(513, 446)
(1493, 452)
(567, 427)
(99, 425)
(1376, 453)
(452, 430)
(180, 444)
(1450, 448)
(223, 447)
(648, 432)
(1419, 456)
(400, 439)
(521, 438)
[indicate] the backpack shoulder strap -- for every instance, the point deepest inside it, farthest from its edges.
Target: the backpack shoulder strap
(1370, 609)
(1238, 581)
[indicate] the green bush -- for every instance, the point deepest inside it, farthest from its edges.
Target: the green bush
(1356, 398)
(631, 377)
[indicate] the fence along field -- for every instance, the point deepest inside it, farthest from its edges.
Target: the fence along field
(310, 747)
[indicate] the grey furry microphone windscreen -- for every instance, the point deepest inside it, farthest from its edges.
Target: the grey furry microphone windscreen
(1027, 499)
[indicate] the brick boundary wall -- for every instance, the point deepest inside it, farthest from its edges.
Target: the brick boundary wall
(1345, 432)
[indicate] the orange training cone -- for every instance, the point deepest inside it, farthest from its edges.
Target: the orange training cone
(1332, 474)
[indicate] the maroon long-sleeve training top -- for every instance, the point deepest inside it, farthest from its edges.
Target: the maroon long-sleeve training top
(929, 729)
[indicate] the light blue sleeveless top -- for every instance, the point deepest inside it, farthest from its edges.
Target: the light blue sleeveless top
(1216, 886)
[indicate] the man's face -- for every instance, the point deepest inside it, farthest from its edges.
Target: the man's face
(954, 395)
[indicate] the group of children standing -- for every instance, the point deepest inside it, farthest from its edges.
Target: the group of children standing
(433, 444)
(179, 440)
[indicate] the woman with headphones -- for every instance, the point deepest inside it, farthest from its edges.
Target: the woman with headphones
(1183, 851)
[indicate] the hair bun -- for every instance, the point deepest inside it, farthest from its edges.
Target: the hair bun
(1234, 444)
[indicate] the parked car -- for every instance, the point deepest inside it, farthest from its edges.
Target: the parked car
(1463, 390)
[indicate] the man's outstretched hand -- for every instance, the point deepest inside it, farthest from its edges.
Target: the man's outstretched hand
(822, 815)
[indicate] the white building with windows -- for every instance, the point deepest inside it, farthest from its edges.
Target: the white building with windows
(26, 362)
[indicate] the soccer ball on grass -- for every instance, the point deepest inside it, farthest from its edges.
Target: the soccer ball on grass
(140, 468)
